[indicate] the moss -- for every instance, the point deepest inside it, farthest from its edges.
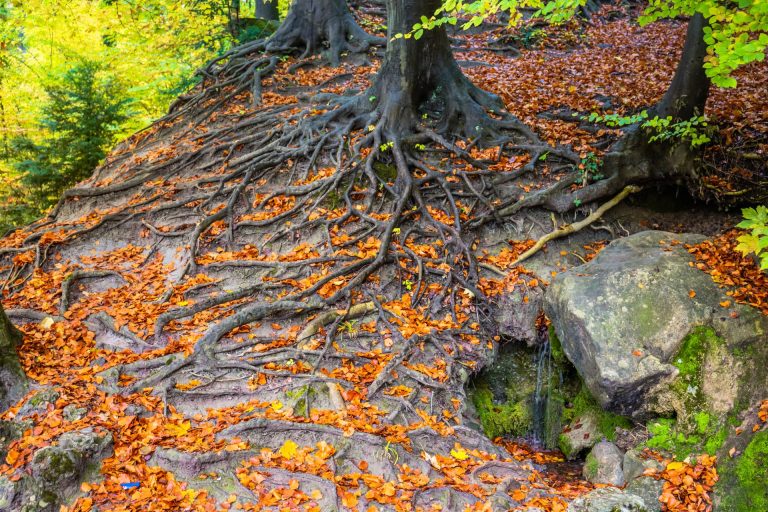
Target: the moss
(556, 347)
(386, 172)
(500, 419)
(564, 444)
(590, 467)
(689, 361)
(744, 484)
(584, 403)
(667, 435)
(695, 429)
(58, 466)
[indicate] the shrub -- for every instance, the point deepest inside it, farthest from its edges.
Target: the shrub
(82, 114)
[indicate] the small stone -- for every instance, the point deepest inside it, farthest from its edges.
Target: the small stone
(635, 464)
(603, 465)
(649, 489)
(608, 499)
(580, 435)
(74, 413)
(38, 403)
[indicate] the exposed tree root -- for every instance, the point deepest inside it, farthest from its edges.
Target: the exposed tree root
(310, 25)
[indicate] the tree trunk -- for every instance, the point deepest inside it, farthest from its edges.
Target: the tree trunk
(633, 159)
(688, 92)
(267, 10)
(420, 80)
(311, 24)
(13, 382)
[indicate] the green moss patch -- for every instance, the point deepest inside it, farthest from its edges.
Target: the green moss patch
(511, 418)
(584, 403)
(696, 429)
(743, 483)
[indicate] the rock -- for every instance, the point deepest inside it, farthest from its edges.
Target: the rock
(74, 413)
(622, 317)
(581, 434)
(603, 465)
(13, 382)
(649, 489)
(38, 403)
(58, 470)
(608, 499)
(10, 431)
(8, 491)
(635, 464)
(516, 314)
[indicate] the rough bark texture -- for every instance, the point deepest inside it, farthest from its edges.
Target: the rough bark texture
(311, 24)
(13, 382)
(267, 10)
(687, 94)
(420, 79)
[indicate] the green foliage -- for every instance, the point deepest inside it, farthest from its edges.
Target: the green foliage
(615, 120)
(756, 241)
(259, 29)
(589, 169)
(696, 130)
(528, 36)
(83, 113)
(584, 403)
(737, 33)
(152, 49)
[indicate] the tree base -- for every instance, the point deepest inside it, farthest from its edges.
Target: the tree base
(320, 24)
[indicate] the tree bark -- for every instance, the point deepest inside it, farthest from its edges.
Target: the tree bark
(688, 92)
(635, 160)
(420, 80)
(311, 24)
(267, 10)
(13, 382)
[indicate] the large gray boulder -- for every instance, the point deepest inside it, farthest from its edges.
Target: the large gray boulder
(623, 316)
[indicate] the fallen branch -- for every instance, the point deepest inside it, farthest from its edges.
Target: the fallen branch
(576, 226)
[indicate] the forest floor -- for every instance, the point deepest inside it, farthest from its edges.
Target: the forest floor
(194, 289)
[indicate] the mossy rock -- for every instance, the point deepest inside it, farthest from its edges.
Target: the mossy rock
(13, 382)
(590, 467)
(715, 384)
(743, 484)
(501, 419)
(588, 423)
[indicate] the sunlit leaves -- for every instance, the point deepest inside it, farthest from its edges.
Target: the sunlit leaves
(737, 33)
(756, 240)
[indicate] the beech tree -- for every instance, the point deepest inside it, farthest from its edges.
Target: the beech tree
(419, 79)
(721, 37)
(310, 24)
